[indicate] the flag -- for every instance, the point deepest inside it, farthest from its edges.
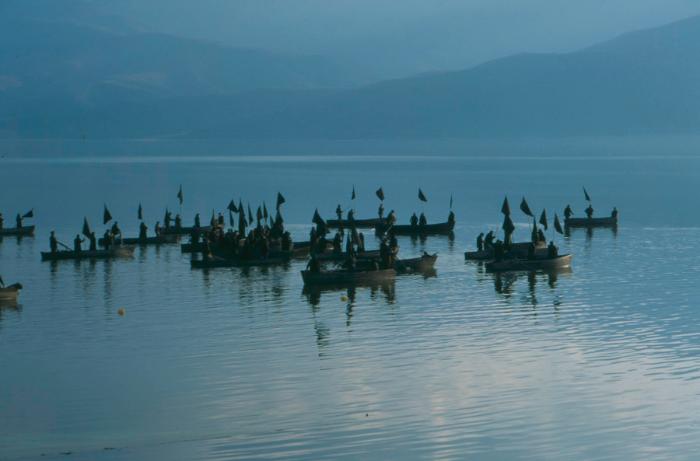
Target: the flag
(280, 200)
(278, 219)
(140, 213)
(86, 228)
(180, 197)
(421, 196)
(505, 208)
(29, 214)
(557, 224)
(250, 214)
(353, 193)
(450, 201)
(232, 207)
(265, 210)
(380, 194)
(585, 193)
(543, 220)
(259, 214)
(508, 226)
(525, 208)
(106, 216)
(317, 219)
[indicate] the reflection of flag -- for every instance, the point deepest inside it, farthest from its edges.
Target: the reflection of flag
(543, 220)
(106, 216)
(140, 213)
(525, 208)
(557, 224)
(353, 193)
(232, 207)
(380, 194)
(585, 193)
(29, 214)
(86, 228)
(280, 199)
(180, 197)
(505, 208)
(421, 196)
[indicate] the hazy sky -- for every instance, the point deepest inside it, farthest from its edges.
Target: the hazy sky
(396, 37)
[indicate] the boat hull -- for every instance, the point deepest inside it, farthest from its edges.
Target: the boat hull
(216, 262)
(445, 228)
(162, 240)
(10, 293)
(346, 277)
(537, 264)
(120, 251)
(517, 250)
(184, 230)
(17, 231)
(363, 223)
(591, 222)
(416, 265)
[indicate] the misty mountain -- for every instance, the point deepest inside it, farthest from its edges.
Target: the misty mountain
(642, 82)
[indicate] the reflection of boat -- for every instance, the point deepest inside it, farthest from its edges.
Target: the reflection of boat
(591, 222)
(347, 277)
(342, 256)
(423, 264)
(364, 223)
(536, 264)
(300, 249)
(10, 293)
(160, 240)
(517, 250)
(18, 231)
(114, 252)
(444, 228)
(184, 230)
(215, 261)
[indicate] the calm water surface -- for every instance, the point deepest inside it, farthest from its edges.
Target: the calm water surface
(599, 363)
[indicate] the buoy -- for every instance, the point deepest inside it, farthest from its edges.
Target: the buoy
(121, 311)
(344, 298)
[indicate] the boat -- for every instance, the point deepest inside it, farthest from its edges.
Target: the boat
(10, 293)
(118, 251)
(17, 231)
(444, 228)
(216, 261)
(518, 250)
(332, 256)
(535, 264)
(609, 221)
(425, 263)
(347, 277)
(159, 240)
(363, 223)
(184, 230)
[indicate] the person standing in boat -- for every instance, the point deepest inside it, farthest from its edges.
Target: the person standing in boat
(380, 211)
(414, 220)
(197, 222)
(178, 222)
(552, 250)
(107, 239)
(451, 218)
(18, 220)
(339, 213)
(480, 242)
(423, 221)
(488, 241)
(157, 229)
(116, 231)
(568, 212)
(589, 211)
(391, 218)
(612, 215)
(2, 221)
(93, 241)
(77, 244)
(167, 219)
(53, 242)
(143, 231)
(313, 265)
(361, 242)
(221, 221)
(540, 236)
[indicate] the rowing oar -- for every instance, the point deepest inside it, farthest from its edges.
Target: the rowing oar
(64, 245)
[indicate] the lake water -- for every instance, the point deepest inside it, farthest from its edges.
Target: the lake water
(599, 363)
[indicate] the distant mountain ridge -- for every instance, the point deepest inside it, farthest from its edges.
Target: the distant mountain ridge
(641, 82)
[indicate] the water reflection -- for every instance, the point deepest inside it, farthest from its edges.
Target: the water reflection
(505, 283)
(387, 289)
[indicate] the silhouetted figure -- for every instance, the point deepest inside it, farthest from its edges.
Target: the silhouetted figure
(391, 218)
(116, 231)
(339, 212)
(157, 229)
(77, 244)
(2, 221)
(552, 250)
(197, 222)
(361, 243)
(178, 222)
(143, 231)
(414, 220)
(589, 211)
(93, 242)
(451, 218)
(380, 211)
(167, 219)
(18, 220)
(614, 213)
(423, 220)
(313, 265)
(568, 212)
(480, 242)
(488, 241)
(540, 236)
(53, 243)
(107, 239)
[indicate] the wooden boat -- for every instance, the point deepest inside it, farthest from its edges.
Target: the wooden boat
(17, 231)
(591, 222)
(422, 264)
(10, 293)
(119, 251)
(184, 230)
(536, 264)
(444, 228)
(363, 223)
(332, 256)
(517, 250)
(347, 277)
(161, 240)
(216, 261)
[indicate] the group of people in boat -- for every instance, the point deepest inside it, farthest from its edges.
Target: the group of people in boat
(18, 221)
(568, 212)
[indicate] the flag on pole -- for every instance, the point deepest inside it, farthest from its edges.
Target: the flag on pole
(29, 214)
(557, 224)
(259, 214)
(265, 210)
(505, 208)
(353, 194)
(450, 201)
(86, 228)
(508, 226)
(585, 193)
(280, 200)
(232, 207)
(180, 197)
(543, 220)
(525, 208)
(380, 194)
(421, 196)
(250, 215)
(317, 219)
(140, 213)
(106, 216)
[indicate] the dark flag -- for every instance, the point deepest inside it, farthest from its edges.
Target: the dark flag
(272, 224)
(505, 208)
(525, 208)
(543, 220)
(230, 217)
(232, 207)
(508, 226)
(86, 228)
(450, 201)
(29, 214)
(259, 214)
(250, 214)
(106, 216)
(585, 193)
(380, 194)
(265, 210)
(280, 200)
(353, 193)
(557, 224)
(140, 213)
(421, 196)
(180, 197)
(278, 219)
(317, 219)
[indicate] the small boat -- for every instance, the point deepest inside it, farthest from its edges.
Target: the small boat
(425, 263)
(183, 230)
(332, 256)
(17, 231)
(216, 261)
(10, 293)
(517, 250)
(444, 228)
(536, 264)
(160, 240)
(119, 251)
(347, 277)
(363, 223)
(591, 222)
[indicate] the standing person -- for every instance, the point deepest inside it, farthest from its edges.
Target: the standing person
(380, 211)
(116, 231)
(423, 220)
(77, 243)
(107, 239)
(157, 229)
(589, 211)
(197, 222)
(2, 221)
(53, 243)
(143, 231)
(167, 218)
(568, 212)
(488, 241)
(451, 218)
(18, 220)
(480, 242)
(220, 221)
(612, 215)
(178, 222)
(93, 242)
(339, 213)
(414, 220)
(361, 243)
